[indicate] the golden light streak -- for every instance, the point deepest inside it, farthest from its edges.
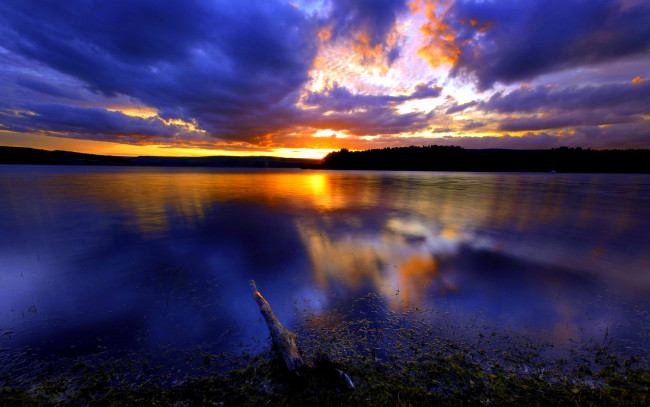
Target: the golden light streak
(22, 112)
(191, 126)
(314, 153)
(142, 112)
(329, 133)
(13, 139)
(149, 112)
(419, 105)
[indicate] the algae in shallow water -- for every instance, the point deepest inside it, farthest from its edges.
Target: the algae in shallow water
(404, 358)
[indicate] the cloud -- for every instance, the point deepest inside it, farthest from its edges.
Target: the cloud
(629, 135)
(572, 106)
(368, 24)
(46, 88)
(530, 141)
(232, 69)
(340, 99)
(373, 122)
(512, 41)
(236, 72)
(93, 123)
(221, 75)
(472, 126)
(337, 108)
(623, 136)
(562, 120)
(459, 108)
(373, 18)
(628, 98)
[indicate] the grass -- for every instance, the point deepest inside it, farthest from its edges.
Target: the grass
(451, 380)
(393, 358)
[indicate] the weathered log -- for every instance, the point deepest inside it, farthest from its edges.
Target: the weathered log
(284, 340)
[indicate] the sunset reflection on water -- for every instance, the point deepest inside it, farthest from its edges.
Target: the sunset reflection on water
(560, 256)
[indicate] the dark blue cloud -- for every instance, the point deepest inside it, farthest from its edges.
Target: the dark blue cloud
(373, 122)
(45, 88)
(336, 108)
(238, 72)
(423, 91)
(94, 123)
(511, 41)
(623, 136)
(626, 135)
(340, 99)
(472, 126)
(212, 62)
(366, 25)
(459, 108)
(235, 71)
(627, 98)
(372, 18)
(558, 121)
(571, 106)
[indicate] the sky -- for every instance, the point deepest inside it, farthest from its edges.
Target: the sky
(303, 78)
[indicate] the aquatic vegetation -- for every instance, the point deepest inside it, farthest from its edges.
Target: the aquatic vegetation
(451, 380)
(415, 357)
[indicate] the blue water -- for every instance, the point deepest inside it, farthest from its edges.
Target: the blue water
(102, 259)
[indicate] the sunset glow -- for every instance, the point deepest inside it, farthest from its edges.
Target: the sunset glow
(317, 76)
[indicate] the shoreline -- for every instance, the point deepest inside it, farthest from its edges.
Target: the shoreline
(390, 361)
(433, 158)
(435, 380)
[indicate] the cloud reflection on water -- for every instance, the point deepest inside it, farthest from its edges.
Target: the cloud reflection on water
(401, 261)
(148, 250)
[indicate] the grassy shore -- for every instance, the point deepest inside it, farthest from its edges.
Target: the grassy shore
(411, 357)
(451, 380)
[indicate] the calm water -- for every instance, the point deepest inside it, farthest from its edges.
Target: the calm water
(135, 259)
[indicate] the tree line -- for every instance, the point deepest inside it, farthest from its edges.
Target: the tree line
(454, 158)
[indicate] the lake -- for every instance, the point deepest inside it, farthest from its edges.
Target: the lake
(113, 260)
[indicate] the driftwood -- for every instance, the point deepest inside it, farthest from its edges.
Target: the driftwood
(284, 340)
(286, 347)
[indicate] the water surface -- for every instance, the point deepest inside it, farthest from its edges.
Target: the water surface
(101, 259)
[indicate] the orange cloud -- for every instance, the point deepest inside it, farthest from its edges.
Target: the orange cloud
(362, 47)
(441, 46)
(325, 33)
(638, 80)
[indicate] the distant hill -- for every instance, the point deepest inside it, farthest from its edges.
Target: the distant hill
(452, 158)
(21, 155)
(224, 161)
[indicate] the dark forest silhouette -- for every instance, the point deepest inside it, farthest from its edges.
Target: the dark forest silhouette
(425, 158)
(453, 158)
(21, 155)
